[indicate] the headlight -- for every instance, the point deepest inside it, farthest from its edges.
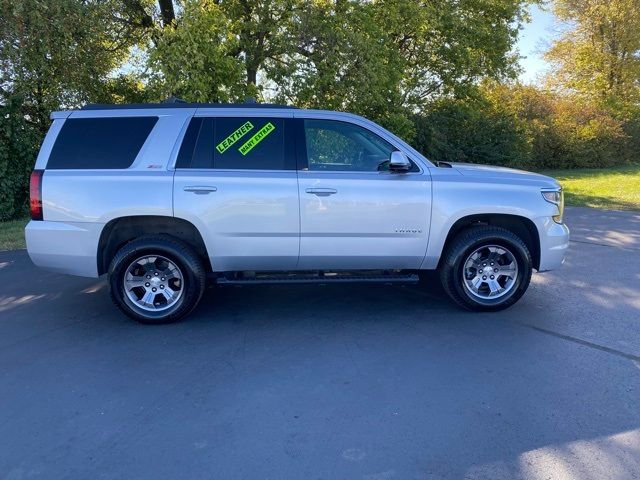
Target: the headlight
(557, 198)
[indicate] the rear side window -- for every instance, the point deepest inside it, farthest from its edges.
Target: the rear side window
(229, 143)
(100, 143)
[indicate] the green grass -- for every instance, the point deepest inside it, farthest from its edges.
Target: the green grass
(12, 234)
(612, 188)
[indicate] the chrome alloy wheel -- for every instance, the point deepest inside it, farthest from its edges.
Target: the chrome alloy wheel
(490, 272)
(153, 283)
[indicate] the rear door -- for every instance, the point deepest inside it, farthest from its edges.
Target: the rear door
(355, 213)
(236, 181)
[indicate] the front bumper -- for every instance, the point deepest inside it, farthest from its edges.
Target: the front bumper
(554, 242)
(64, 247)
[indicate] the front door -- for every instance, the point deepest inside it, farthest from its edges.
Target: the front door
(355, 213)
(236, 181)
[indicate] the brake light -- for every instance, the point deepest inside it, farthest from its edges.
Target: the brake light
(35, 194)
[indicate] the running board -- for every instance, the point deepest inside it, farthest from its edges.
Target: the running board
(326, 278)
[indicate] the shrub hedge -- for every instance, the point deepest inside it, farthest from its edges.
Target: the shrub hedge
(19, 143)
(522, 126)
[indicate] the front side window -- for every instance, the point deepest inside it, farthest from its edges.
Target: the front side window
(340, 146)
(252, 143)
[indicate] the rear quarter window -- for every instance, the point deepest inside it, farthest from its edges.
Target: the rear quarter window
(100, 143)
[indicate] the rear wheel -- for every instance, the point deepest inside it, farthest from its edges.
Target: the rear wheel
(156, 279)
(486, 268)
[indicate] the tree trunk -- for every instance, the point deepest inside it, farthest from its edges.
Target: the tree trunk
(167, 12)
(252, 75)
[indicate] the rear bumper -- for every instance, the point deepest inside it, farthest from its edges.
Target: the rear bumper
(554, 242)
(64, 247)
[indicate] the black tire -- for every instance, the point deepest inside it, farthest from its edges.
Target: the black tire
(176, 251)
(464, 244)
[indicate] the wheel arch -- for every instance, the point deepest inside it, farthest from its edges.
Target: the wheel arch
(521, 226)
(119, 231)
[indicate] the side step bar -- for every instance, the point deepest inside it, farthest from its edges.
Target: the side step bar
(326, 278)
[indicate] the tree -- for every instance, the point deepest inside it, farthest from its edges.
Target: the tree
(343, 59)
(197, 60)
(216, 49)
(387, 58)
(598, 54)
(262, 32)
(59, 53)
(448, 46)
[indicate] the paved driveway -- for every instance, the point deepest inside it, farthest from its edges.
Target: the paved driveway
(330, 382)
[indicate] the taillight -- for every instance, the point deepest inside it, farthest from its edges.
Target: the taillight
(35, 194)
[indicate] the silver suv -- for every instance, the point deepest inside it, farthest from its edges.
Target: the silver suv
(163, 197)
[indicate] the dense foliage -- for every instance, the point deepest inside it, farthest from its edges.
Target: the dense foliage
(437, 72)
(598, 54)
(19, 142)
(523, 126)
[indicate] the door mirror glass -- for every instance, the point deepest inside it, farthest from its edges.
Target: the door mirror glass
(398, 162)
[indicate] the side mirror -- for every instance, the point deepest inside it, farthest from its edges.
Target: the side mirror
(399, 162)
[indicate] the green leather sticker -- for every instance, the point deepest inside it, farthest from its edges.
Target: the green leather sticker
(224, 145)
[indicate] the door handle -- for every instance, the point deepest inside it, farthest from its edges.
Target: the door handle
(321, 192)
(200, 189)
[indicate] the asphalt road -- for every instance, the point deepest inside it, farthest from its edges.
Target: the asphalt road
(330, 382)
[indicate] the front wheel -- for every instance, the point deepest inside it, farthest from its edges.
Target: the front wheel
(486, 268)
(156, 279)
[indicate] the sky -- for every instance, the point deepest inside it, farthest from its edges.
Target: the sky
(534, 38)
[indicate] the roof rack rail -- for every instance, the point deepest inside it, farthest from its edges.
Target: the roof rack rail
(173, 99)
(173, 102)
